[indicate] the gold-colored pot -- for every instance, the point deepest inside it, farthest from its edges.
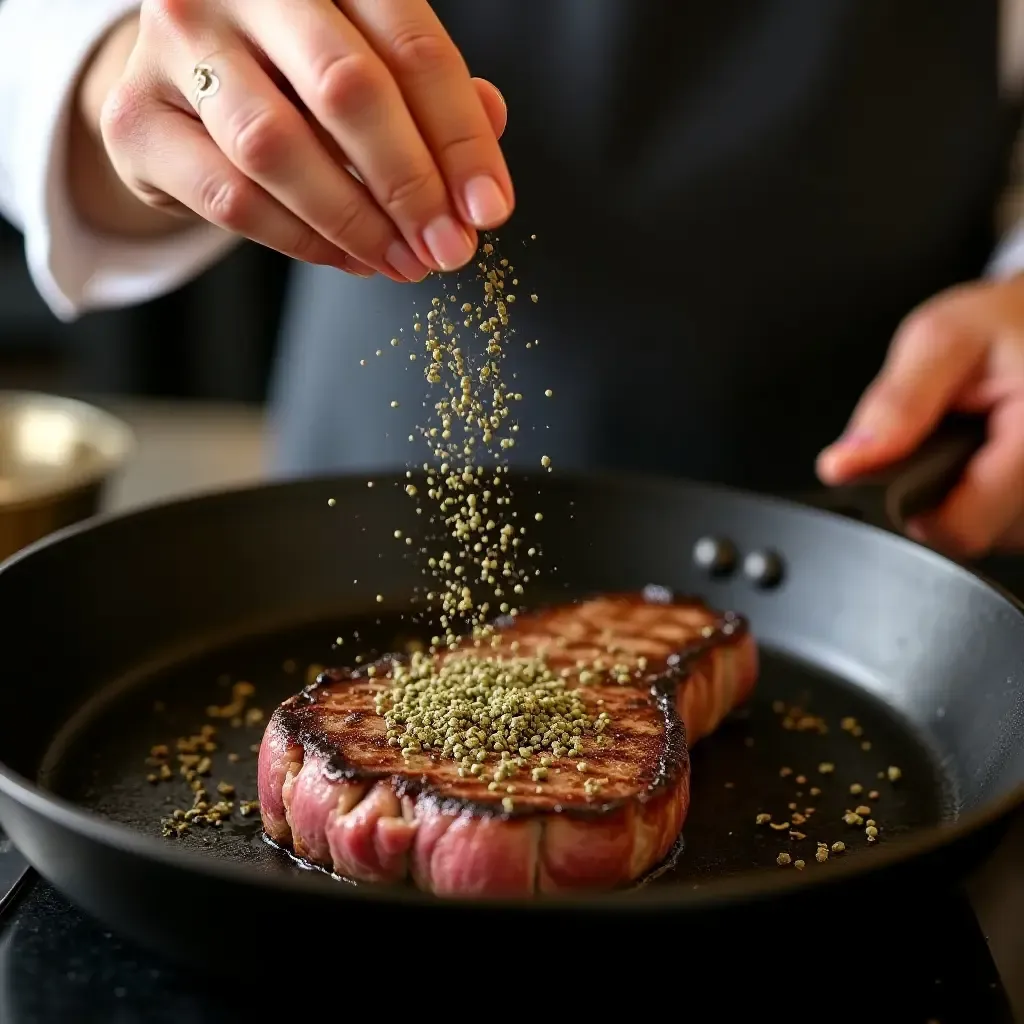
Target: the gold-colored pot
(56, 457)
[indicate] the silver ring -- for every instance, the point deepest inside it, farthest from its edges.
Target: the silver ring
(204, 84)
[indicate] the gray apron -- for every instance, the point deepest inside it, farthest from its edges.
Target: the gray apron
(734, 203)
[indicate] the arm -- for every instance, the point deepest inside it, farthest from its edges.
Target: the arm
(89, 243)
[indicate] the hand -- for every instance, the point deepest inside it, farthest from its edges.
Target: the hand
(962, 351)
(307, 89)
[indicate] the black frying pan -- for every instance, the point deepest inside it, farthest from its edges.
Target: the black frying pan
(120, 633)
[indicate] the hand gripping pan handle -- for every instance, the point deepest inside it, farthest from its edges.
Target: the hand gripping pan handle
(916, 484)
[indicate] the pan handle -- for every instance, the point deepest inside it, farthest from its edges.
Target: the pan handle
(917, 483)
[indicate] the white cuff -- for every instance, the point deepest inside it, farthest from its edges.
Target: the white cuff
(1008, 259)
(43, 47)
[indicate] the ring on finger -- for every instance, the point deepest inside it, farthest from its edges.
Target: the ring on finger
(204, 84)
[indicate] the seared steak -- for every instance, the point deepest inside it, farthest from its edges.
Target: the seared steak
(338, 790)
(707, 658)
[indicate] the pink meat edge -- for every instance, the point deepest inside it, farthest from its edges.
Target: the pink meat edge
(720, 682)
(579, 855)
(370, 839)
(311, 801)
(748, 668)
(463, 855)
(280, 760)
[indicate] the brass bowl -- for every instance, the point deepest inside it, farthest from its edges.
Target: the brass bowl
(56, 457)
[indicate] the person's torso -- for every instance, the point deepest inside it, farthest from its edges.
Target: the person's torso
(734, 205)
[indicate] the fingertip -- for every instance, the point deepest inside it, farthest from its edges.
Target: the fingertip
(916, 530)
(450, 244)
(825, 467)
(855, 453)
(837, 463)
(487, 206)
(403, 263)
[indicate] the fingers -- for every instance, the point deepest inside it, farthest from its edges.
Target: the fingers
(376, 138)
(348, 88)
(932, 358)
(268, 140)
(439, 92)
(167, 158)
(985, 506)
(344, 79)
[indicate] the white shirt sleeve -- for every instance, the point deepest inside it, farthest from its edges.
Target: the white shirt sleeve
(1008, 259)
(43, 46)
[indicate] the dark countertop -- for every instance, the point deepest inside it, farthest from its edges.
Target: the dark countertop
(878, 963)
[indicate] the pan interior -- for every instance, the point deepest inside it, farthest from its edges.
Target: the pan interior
(770, 758)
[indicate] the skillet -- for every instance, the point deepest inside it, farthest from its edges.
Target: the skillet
(121, 633)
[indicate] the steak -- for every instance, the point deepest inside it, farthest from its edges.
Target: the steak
(336, 790)
(707, 658)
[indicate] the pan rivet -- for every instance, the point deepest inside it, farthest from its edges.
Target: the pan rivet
(763, 568)
(715, 555)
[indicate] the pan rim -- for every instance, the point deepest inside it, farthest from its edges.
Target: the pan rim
(748, 887)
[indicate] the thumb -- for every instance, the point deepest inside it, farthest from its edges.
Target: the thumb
(930, 361)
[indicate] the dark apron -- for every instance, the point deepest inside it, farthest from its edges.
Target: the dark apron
(735, 204)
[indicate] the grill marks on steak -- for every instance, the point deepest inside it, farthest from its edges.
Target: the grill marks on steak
(336, 721)
(336, 793)
(708, 658)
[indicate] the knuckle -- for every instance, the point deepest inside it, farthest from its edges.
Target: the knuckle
(170, 13)
(123, 114)
(410, 190)
(227, 202)
(461, 150)
(419, 52)
(349, 224)
(351, 83)
(307, 245)
(261, 142)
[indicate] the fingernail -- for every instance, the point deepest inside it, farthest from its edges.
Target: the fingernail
(448, 242)
(486, 202)
(403, 261)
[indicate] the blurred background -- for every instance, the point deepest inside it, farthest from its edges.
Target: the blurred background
(187, 372)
